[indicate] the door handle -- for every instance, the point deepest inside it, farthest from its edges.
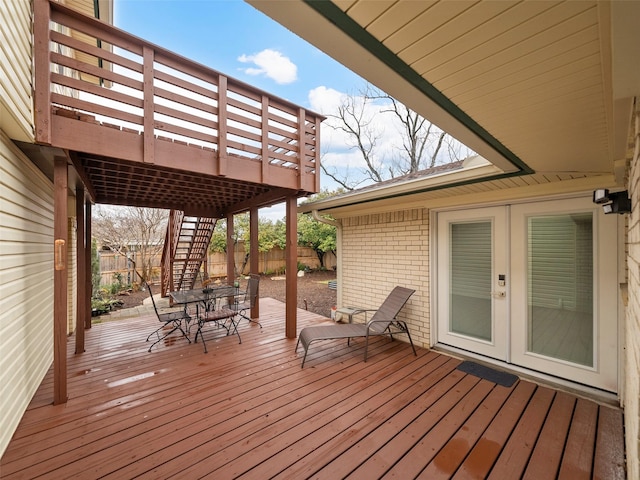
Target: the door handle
(498, 294)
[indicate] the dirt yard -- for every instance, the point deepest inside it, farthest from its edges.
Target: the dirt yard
(314, 293)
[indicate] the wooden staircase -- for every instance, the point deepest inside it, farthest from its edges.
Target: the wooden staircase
(185, 248)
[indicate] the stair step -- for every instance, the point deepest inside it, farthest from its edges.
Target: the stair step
(190, 244)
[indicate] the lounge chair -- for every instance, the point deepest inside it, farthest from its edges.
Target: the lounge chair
(383, 322)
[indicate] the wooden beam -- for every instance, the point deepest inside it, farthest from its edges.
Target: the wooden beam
(253, 254)
(42, 90)
(82, 270)
(317, 153)
(171, 250)
(60, 235)
(231, 257)
(88, 280)
(291, 251)
(148, 95)
(273, 196)
(265, 139)
(302, 138)
(222, 125)
(77, 164)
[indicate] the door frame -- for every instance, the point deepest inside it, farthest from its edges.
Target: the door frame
(498, 346)
(615, 236)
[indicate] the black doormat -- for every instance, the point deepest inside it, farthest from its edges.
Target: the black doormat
(496, 376)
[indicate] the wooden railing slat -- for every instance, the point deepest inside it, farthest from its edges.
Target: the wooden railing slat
(109, 94)
(76, 21)
(201, 137)
(95, 51)
(96, 71)
(83, 106)
(185, 117)
(188, 85)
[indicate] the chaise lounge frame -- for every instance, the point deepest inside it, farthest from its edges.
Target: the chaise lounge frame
(383, 322)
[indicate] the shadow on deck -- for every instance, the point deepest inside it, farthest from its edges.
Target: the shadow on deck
(248, 410)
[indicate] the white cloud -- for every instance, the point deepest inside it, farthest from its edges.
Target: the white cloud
(325, 100)
(272, 64)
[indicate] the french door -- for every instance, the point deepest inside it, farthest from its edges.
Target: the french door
(534, 285)
(472, 305)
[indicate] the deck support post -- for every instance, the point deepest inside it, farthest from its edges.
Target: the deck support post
(291, 251)
(222, 126)
(302, 146)
(253, 254)
(42, 75)
(172, 252)
(81, 287)
(316, 161)
(148, 154)
(264, 172)
(60, 235)
(231, 254)
(87, 260)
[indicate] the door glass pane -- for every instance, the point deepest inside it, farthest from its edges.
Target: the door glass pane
(560, 287)
(470, 277)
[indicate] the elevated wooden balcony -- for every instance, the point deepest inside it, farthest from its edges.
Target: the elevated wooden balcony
(144, 126)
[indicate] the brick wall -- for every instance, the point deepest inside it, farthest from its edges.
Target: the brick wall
(632, 323)
(381, 251)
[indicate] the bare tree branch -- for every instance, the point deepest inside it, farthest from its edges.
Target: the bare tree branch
(127, 229)
(419, 143)
(343, 181)
(434, 156)
(351, 118)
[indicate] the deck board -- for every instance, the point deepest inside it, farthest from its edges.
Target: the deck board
(546, 457)
(249, 411)
(455, 450)
(515, 454)
(578, 456)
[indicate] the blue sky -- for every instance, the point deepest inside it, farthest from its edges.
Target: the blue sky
(231, 36)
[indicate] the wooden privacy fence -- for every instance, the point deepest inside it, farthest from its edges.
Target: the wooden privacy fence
(272, 261)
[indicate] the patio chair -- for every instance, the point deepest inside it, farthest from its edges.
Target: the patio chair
(169, 320)
(251, 295)
(222, 317)
(383, 322)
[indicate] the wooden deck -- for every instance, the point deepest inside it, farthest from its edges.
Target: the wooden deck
(248, 410)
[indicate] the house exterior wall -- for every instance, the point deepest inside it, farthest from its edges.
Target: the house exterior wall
(26, 230)
(26, 282)
(16, 105)
(631, 380)
(381, 251)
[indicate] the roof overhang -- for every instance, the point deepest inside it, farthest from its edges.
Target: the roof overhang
(531, 86)
(474, 169)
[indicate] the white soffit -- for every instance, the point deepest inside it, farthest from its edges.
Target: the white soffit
(535, 75)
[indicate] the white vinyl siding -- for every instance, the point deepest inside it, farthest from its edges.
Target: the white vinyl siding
(26, 282)
(16, 105)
